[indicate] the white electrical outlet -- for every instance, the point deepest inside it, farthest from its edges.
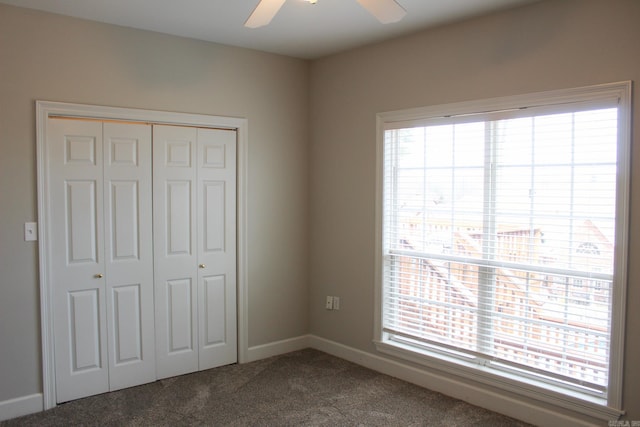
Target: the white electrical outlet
(332, 303)
(329, 303)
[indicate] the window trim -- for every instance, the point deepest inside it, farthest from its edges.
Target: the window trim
(620, 91)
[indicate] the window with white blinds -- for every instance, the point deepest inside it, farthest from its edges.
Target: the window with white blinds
(501, 237)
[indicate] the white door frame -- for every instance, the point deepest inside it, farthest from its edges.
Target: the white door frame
(46, 109)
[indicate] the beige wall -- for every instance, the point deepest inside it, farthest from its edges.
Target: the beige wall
(54, 58)
(548, 45)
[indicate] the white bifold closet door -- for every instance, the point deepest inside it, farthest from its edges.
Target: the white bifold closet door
(101, 255)
(194, 186)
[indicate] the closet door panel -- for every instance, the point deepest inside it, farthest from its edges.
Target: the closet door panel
(129, 249)
(175, 271)
(84, 330)
(213, 205)
(125, 221)
(127, 324)
(77, 257)
(217, 247)
(82, 221)
(180, 315)
(215, 321)
(178, 218)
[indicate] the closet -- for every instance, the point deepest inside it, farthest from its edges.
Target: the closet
(142, 252)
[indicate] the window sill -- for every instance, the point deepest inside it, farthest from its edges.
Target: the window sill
(524, 388)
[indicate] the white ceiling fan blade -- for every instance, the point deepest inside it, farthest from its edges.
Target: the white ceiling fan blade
(386, 11)
(263, 13)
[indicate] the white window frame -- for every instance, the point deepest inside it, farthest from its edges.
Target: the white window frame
(604, 409)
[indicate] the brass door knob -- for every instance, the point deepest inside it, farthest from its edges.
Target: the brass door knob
(99, 276)
(202, 266)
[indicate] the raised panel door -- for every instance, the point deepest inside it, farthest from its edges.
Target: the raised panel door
(175, 271)
(129, 254)
(77, 257)
(217, 247)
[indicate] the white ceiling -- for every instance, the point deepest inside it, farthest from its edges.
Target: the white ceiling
(300, 29)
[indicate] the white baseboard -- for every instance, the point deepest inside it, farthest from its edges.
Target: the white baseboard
(510, 406)
(21, 406)
(276, 348)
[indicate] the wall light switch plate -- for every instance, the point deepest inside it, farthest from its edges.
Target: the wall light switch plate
(30, 231)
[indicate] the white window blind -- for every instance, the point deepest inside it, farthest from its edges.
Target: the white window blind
(499, 240)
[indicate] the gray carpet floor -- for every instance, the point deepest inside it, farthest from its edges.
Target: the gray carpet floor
(303, 388)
